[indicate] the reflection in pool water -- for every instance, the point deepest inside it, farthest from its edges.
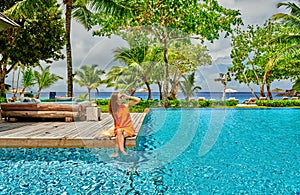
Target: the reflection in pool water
(253, 151)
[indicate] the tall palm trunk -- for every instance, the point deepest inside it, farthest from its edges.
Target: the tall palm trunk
(38, 93)
(131, 92)
(13, 80)
(2, 86)
(166, 74)
(269, 91)
(159, 89)
(262, 90)
(175, 84)
(69, 4)
(89, 94)
(149, 90)
(18, 79)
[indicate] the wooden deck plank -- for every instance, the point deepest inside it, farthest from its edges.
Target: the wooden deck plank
(62, 134)
(33, 130)
(19, 130)
(41, 130)
(59, 129)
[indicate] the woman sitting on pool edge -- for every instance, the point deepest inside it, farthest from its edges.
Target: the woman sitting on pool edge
(122, 120)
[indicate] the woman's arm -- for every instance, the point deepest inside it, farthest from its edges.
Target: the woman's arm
(134, 102)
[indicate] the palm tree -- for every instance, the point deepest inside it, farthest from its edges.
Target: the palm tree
(45, 79)
(122, 78)
(81, 11)
(224, 79)
(291, 19)
(296, 86)
(89, 76)
(158, 77)
(139, 61)
(188, 87)
(28, 79)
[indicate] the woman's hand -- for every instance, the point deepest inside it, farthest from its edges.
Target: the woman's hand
(124, 97)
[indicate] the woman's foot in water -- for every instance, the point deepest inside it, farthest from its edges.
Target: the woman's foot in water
(113, 155)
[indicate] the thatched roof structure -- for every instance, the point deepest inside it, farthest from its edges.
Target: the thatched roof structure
(6, 23)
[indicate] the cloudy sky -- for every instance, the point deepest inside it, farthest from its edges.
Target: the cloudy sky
(87, 49)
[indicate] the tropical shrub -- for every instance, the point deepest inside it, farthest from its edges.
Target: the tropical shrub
(205, 103)
(2, 100)
(143, 104)
(278, 103)
(47, 100)
(224, 103)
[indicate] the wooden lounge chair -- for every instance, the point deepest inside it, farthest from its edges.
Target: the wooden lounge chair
(250, 101)
(83, 111)
(233, 99)
(294, 98)
(285, 98)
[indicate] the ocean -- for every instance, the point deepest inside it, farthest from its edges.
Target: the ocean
(241, 96)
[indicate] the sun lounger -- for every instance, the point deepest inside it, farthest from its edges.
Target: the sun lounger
(285, 98)
(294, 98)
(262, 98)
(201, 98)
(250, 101)
(69, 112)
(233, 99)
(62, 98)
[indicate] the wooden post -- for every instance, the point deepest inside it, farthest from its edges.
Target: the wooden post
(92, 113)
(68, 119)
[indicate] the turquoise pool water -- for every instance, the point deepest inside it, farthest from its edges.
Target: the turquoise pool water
(188, 151)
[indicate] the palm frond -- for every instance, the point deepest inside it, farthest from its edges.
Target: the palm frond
(108, 7)
(83, 16)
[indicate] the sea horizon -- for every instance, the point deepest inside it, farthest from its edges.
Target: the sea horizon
(241, 96)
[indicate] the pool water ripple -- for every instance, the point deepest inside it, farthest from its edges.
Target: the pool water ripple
(256, 152)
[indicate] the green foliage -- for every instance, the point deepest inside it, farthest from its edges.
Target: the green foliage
(291, 19)
(188, 87)
(205, 19)
(143, 104)
(217, 103)
(205, 103)
(45, 79)
(224, 78)
(40, 37)
(278, 103)
(102, 102)
(47, 100)
(296, 85)
(28, 78)
(2, 99)
(169, 20)
(89, 76)
(139, 67)
(260, 56)
(6, 4)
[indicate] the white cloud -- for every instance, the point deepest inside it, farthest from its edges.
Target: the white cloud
(87, 49)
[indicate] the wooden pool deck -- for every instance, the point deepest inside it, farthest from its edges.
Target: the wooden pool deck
(78, 134)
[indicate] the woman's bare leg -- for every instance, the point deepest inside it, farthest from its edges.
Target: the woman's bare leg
(120, 135)
(120, 142)
(117, 149)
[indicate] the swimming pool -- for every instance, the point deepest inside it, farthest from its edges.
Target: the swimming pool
(179, 151)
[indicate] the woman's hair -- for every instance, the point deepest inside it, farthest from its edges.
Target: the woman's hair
(113, 104)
